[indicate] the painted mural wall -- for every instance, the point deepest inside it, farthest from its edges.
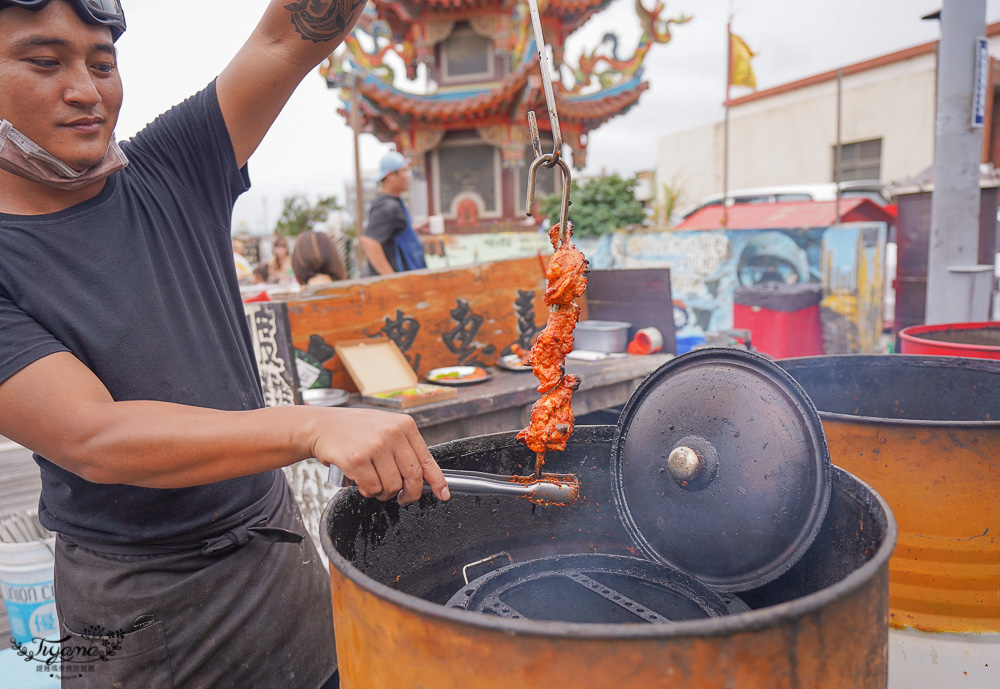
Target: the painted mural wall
(706, 267)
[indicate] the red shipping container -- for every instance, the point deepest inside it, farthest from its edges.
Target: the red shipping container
(784, 320)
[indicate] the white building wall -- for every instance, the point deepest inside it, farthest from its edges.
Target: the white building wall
(789, 138)
(690, 160)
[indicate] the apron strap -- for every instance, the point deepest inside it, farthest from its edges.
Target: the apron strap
(240, 535)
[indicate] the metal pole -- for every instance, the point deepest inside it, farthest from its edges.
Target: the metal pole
(836, 154)
(359, 213)
(954, 236)
(725, 126)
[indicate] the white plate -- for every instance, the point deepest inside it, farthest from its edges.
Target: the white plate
(456, 375)
(512, 362)
(325, 397)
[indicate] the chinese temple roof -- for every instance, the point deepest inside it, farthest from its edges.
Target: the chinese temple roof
(473, 104)
(496, 109)
(572, 14)
(396, 115)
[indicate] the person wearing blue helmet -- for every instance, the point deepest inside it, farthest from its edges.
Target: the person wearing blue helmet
(127, 366)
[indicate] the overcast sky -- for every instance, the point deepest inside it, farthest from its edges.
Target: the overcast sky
(172, 49)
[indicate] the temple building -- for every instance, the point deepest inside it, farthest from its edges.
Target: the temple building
(467, 135)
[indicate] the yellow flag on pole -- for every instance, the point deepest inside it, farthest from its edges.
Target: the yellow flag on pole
(740, 71)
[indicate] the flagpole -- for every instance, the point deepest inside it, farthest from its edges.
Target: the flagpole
(838, 151)
(725, 126)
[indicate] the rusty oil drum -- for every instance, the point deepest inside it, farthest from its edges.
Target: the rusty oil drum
(924, 431)
(821, 623)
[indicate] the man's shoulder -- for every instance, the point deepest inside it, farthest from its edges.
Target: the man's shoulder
(202, 106)
(382, 199)
(386, 206)
(395, 204)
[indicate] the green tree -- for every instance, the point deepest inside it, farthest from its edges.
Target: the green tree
(299, 215)
(598, 206)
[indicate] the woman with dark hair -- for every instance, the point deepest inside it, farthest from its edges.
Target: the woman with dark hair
(315, 259)
(279, 266)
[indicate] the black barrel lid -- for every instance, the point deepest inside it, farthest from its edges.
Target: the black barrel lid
(721, 469)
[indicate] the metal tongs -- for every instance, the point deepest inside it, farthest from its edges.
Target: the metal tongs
(554, 489)
(549, 489)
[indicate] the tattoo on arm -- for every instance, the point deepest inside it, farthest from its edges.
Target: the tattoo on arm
(324, 20)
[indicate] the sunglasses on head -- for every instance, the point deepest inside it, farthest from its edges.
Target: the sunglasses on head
(100, 12)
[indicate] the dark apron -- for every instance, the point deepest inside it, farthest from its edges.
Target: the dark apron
(409, 248)
(247, 607)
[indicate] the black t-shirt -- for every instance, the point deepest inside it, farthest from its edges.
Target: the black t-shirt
(386, 221)
(139, 283)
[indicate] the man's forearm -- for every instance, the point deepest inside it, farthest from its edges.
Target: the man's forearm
(162, 445)
(376, 256)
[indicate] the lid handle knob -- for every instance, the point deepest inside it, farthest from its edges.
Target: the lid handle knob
(684, 464)
(693, 463)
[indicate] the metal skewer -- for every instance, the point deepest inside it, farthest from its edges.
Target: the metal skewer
(546, 159)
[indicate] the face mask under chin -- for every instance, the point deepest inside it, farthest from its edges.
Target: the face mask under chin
(21, 156)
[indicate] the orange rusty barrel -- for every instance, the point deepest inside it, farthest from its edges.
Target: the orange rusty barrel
(396, 571)
(924, 431)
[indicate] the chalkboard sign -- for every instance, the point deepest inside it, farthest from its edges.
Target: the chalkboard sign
(272, 346)
(640, 296)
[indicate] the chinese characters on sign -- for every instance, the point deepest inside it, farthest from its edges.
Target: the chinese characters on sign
(272, 348)
(462, 338)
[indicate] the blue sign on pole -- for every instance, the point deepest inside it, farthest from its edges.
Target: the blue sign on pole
(982, 83)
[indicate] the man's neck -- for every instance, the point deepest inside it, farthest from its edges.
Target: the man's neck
(19, 196)
(391, 188)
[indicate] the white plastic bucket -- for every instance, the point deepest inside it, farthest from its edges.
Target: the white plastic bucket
(938, 660)
(26, 577)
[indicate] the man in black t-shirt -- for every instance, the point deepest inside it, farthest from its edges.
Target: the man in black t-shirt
(390, 243)
(126, 363)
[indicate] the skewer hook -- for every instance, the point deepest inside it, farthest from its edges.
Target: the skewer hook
(549, 160)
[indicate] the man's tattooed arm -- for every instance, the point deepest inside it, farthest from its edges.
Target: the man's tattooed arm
(325, 20)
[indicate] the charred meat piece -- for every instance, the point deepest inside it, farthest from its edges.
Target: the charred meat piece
(551, 418)
(566, 276)
(566, 272)
(552, 345)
